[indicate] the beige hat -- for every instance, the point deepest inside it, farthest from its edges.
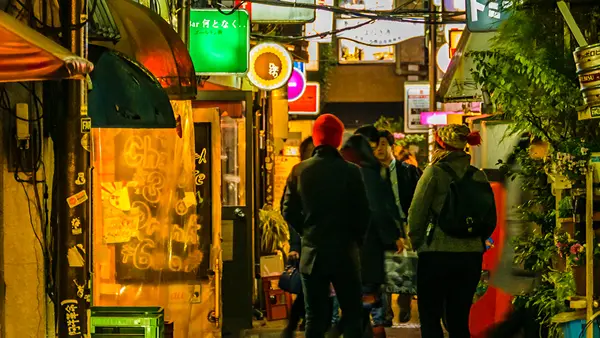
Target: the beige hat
(456, 137)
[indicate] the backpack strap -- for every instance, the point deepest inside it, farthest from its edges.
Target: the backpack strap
(448, 169)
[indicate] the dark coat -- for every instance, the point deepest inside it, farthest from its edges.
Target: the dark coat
(326, 203)
(384, 229)
(408, 177)
(295, 239)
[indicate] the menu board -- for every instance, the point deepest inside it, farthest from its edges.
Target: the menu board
(283, 167)
(156, 218)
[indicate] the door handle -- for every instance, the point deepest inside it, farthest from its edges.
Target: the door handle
(239, 213)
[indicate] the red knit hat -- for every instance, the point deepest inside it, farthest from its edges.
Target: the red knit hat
(328, 130)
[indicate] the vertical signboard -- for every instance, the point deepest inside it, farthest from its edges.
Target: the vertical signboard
(416, 101)
(219, 43)
(486, 15)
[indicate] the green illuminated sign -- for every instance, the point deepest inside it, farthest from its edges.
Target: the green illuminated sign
(487, 15)
(219, 43)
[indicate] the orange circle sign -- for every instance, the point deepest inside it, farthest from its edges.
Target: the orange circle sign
(271, 66)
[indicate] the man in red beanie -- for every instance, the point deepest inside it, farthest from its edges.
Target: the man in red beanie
(326, 203)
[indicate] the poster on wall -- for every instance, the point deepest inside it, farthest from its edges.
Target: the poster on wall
(283, 167)
(416, 101)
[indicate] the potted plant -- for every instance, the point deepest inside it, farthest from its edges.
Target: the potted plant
(274, 232)
(574, 253)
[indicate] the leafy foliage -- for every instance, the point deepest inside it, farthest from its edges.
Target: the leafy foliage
(396, 127)
(273, 229)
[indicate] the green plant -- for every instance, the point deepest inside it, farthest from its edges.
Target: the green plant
(535, 250)
(274, 231)
(549, 299)
(565, 207)
(396, 127)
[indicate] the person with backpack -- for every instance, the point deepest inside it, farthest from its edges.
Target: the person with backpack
(452, 214)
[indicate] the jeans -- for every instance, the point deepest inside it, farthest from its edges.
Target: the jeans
(447, 281)
(380, 312)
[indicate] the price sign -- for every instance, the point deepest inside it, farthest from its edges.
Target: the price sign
(219, 43)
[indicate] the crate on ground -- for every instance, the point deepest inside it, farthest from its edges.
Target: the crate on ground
(133, 322)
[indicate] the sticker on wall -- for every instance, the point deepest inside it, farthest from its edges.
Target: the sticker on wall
(86, 125)
(85, 141)
(71, 307)
(75, 256)
(80, 179)
(76, 226)
(271, 66)
(77, 199)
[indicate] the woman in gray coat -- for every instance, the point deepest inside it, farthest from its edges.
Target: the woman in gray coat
(449, 268)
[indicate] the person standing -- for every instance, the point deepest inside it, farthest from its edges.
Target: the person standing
(383, 230)
(449, 267)
(404, 178)
(297, 311)
(326, 203)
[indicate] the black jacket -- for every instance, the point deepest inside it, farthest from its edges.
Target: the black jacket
(326, 203)
(384, 228)
(408, 177)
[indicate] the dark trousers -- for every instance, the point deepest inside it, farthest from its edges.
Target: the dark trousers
(296, 314)
(347, 285)
(447, 281)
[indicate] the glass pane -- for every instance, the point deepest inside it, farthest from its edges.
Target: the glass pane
(233, 155)
(148, 249)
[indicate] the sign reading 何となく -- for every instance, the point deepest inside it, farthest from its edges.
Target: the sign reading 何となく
(271, 66)
(264, 13)
(219, 43)
(486, 15)
(416, 101)
(379, 32)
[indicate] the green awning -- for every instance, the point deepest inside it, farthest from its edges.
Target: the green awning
(125, 95)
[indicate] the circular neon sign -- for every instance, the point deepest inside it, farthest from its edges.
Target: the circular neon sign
(271, 66)
(296, 85)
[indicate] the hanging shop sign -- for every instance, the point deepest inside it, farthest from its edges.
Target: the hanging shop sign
(262, 13)
(271, 66)
(486, 15)
(454, 36)
(380, 32)
(309, 102)
(208, 29)
(416, 101)
(323, 23)
(296, 85)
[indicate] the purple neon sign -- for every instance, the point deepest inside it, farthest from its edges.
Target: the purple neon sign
(296, 85)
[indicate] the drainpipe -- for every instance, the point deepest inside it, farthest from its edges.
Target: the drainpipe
(183, 20)
(432, 59)
(72, 176)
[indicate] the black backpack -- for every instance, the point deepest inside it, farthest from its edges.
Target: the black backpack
(469, 210)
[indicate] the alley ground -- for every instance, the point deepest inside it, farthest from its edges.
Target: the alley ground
(265, 329)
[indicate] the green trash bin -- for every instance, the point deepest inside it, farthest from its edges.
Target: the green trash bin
(127, 322)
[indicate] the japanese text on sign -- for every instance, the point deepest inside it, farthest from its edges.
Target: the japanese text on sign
(484, 15)
(216, 24)
(72, 317)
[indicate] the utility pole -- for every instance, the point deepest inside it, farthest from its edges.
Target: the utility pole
(72, 176)
(432, 55)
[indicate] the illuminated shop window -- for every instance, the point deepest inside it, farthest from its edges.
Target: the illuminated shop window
(352, 52)
(373, 5)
